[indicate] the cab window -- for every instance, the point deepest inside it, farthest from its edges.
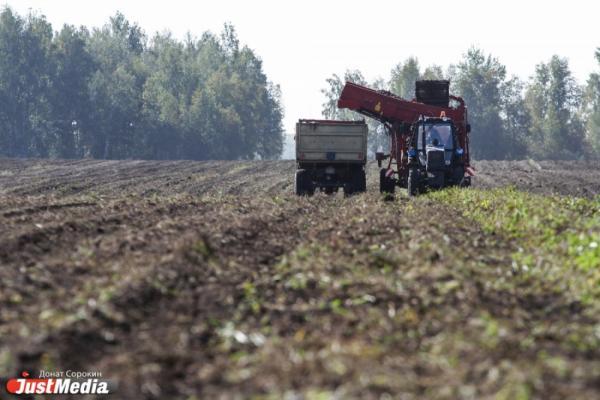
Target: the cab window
(437, 135)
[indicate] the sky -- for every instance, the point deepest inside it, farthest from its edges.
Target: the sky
(302, 43)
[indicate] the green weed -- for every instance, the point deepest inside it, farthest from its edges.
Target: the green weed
(558, 237)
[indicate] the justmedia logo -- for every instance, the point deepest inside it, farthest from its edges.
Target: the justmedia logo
(59, 383)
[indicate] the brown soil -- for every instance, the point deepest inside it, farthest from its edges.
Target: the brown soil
(575, 178)
(211, 279)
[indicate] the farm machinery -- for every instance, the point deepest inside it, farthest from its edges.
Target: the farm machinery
(429, 135)
(330, 155)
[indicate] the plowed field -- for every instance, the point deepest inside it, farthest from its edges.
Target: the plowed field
(193, 280)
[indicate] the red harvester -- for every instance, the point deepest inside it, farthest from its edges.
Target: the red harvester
(429, 135)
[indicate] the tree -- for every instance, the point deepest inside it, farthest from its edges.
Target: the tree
(433, 72)
(377, 140)
(70, 101)
(257, 101)
(25, 75)
(492, 101)
(403, 78)
(210, 99)
(553, 99)
(516, 119)
(116, 89)
(270, 145)
(112, 93)
(405, 74)
(592, 110)
(167, 96)
(332, 93)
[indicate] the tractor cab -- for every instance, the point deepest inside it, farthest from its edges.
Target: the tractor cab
(436, 141)
(434, 153)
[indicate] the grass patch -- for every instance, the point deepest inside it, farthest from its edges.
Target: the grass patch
(558, 237)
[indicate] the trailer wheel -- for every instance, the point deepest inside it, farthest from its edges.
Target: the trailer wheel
(298, 187)
(386, 185)
(350, 187)
(414, 177)
(302, 183)
(360, 181)
(356, 183)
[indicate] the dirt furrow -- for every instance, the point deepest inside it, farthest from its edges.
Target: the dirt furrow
(182, 279)
(219, 247)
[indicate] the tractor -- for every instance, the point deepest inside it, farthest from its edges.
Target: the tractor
(429, 136)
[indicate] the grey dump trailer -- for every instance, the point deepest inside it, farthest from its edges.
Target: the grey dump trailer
(330, 155)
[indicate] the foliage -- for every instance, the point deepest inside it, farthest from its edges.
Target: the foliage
(403, 78)
(25, 69)
(494, 106)
(405, 74)
(335, 84)
(559, 237)
(592, 108)
(548, 117)
(113, 93)
(553, 99)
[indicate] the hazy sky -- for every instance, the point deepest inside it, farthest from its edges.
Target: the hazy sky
(302, 43)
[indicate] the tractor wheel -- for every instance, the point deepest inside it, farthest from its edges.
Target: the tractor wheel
(386, 185)
(414, 178)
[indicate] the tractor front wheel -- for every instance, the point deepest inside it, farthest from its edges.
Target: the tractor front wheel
(465, 182)
(414, 181)
(386, 184)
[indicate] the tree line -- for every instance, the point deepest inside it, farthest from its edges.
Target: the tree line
(549, 116)
(113, 92)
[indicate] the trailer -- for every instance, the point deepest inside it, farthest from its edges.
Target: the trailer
(330, 155)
